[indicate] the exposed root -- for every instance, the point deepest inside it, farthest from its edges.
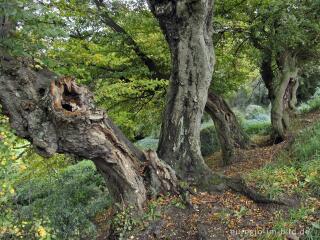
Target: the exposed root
(160, 177)
(239, 185)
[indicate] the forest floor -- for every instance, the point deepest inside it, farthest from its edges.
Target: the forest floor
(229, 215)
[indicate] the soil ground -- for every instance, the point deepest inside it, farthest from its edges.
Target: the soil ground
(226, 215)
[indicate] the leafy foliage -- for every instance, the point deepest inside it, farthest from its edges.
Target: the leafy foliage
(46, 198)
(312, 104)
(209, 141)
(57, 199)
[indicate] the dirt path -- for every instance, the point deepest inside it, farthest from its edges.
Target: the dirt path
(264, 153)
(230, 215)
(225, 215)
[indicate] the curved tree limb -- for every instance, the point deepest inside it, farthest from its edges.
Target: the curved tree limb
(230, 133)
(58, 116)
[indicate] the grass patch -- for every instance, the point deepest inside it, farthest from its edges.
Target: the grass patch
(254, 127)
(295, 172)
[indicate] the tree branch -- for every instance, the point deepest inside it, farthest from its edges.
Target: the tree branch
(106, 19)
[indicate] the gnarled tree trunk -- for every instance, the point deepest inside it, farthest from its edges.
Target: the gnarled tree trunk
(283, 90)
(57, 116)
(229, 131)
(240, 139)
(187, 26)
(293, 93)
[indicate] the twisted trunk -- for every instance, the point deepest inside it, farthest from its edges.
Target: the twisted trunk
(240, 138)
(293, 101)
(286, 82)
(281, 90)
(229, 131)
(57, 116)
(187, 26)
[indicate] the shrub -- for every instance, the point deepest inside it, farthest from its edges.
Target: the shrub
(312, 104)
(58, 206)
(209, 141)
(252, 111)
(253, 127)
(147, 143)
(239, 115)
(208, 137)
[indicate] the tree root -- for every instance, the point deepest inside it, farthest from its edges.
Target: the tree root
(239, 185)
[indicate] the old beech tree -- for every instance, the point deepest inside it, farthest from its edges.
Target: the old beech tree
(58, 116)
(187, 26)
(229, 131)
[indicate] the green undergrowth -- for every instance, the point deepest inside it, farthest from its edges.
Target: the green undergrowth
(60, 205)
(312, 104)
(296, 170)
(257, 127)
(295, 224)
(296, 174)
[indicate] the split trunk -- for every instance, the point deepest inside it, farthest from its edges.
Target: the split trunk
(282, 88)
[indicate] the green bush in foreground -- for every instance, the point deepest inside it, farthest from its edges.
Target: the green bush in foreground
(58, 206)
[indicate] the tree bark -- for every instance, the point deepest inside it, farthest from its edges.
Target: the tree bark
(240, 138)
(57, 116)
(293, 101)
(283, 91)
(229, 131)
(187, 26)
